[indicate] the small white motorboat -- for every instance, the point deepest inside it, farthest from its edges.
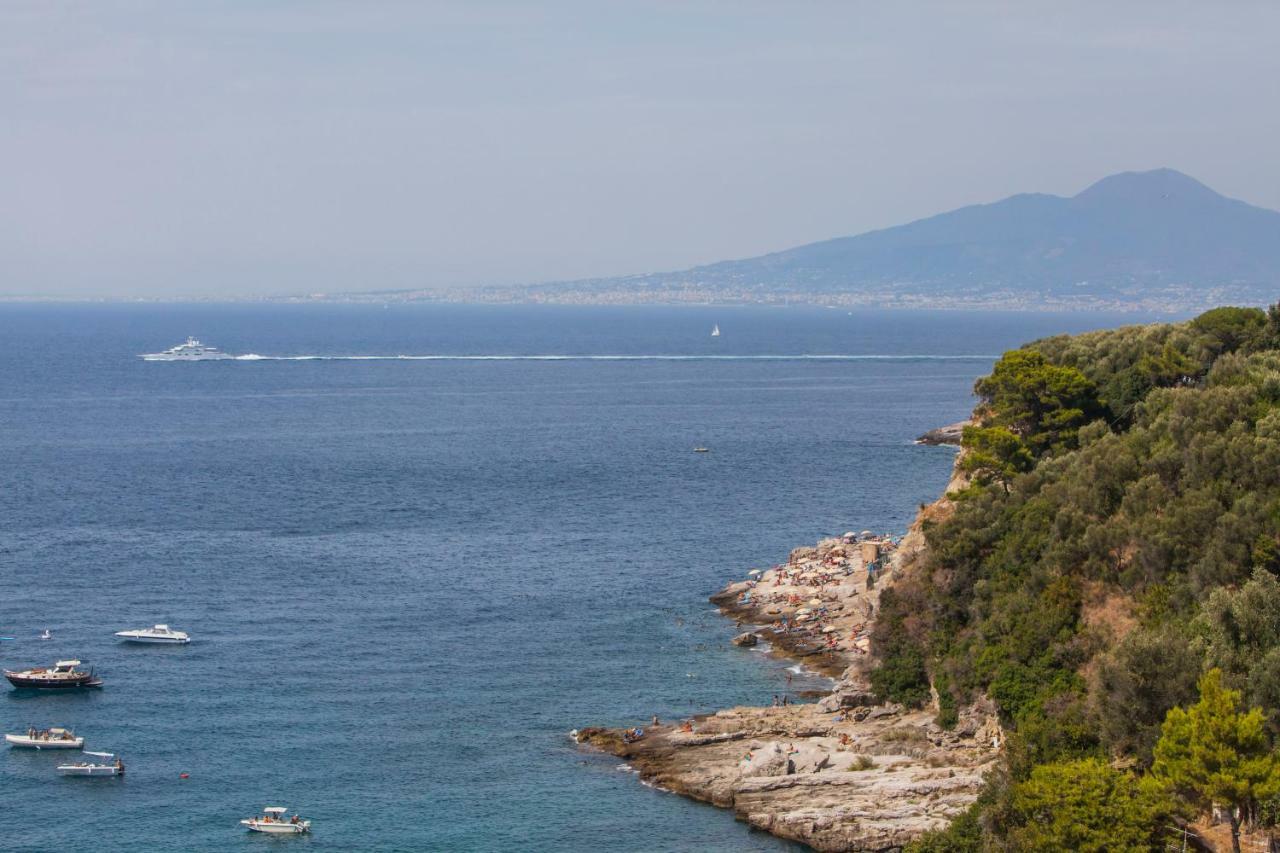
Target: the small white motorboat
(47, 635)
(54, 738)
(157, 634)
(94, 768)
(273, 820)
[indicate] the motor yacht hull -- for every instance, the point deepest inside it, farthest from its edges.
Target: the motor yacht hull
(278, 827)
(158, 641)
(35, 682)
(44, 743)
(159, 356)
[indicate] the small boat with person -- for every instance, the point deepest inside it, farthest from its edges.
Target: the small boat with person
(63, 675)
(156, 634)
(273, 820)
(94, 768)
(51, 738)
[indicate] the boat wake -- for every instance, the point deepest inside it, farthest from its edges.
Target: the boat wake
(256, 357)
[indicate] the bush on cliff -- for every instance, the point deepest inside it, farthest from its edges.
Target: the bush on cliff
(901, 675)
(994, 455)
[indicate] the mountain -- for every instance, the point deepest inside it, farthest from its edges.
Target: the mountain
(1156, 239)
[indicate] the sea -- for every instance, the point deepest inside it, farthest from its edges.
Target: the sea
(416, 545)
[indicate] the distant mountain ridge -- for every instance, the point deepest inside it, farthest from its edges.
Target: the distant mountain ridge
(1156, 239)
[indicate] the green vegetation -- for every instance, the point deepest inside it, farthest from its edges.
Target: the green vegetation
(1043, 402)
(1120, 538)
(1090, 807)
(996, 455)
(1215, 753)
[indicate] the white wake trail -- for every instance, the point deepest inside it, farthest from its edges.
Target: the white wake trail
(920, 357)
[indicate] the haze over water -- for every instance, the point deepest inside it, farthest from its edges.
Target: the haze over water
(406, 580)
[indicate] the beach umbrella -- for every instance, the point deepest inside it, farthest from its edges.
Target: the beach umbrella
(754, 572)
(816, 602)
(802, 610)
(828, 629)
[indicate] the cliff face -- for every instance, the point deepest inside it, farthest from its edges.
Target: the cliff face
(845, 773)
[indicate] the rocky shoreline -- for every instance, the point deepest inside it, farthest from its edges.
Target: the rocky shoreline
(842, 773)
(949, 434)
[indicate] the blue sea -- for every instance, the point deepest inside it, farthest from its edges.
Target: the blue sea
(408, 579)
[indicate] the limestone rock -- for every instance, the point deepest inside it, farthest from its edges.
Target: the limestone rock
(771, 760)
(842, 699)
(746, 639)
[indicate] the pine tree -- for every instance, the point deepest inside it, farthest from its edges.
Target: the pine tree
(1213, 752)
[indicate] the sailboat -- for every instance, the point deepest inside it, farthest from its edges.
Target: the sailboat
(715, 331)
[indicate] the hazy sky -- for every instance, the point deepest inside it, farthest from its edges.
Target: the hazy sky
(229, 148)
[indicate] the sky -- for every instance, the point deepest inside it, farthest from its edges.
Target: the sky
(215, 149)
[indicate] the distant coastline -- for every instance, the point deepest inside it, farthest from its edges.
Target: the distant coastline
(1173, 304)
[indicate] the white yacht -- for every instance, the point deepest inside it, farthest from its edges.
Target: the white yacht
(273, 821)
(157, 634)
(54, 738)
(94, 768)
(192, 350)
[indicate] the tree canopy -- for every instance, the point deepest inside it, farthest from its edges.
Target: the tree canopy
(1043, 403)
(1216, 753)
(1089, 807)
(1120, 538)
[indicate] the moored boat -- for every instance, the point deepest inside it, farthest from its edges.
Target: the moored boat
(156, 634)
(62, 675)
(52, 738)
(273, 821)
(94, 768)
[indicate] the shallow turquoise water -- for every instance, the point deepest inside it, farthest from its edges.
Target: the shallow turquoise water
(407, 580)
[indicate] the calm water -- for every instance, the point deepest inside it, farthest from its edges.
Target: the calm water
(407, 580)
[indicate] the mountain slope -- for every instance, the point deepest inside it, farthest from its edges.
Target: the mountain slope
(1130, 237)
